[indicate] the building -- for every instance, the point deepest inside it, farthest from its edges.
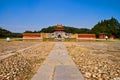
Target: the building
(58, 34)
(112, 37)
(102, 36)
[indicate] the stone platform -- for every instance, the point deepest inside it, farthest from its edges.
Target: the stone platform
(58, 66)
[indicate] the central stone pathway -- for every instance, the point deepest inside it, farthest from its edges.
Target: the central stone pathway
(58, 66)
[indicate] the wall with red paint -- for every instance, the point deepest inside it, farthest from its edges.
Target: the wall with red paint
(112, 37)
(31, 36)
(86, 36)
(102, 36)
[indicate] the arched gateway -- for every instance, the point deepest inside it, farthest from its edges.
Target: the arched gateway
(59, 33)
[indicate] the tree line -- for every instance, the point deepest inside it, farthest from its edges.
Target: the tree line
(67, 29)
(6, 33)
(108, 27)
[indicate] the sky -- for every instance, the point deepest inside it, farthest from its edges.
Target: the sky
(22, 15)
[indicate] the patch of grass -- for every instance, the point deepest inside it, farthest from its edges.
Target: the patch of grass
(70, 39)
(12, 39)
(109, 40)
(2, 40)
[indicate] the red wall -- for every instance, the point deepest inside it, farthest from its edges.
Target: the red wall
(102, 36)
(31, 35)
(112, 37)
(87, 36)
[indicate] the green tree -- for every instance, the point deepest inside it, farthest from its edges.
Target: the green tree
(67, 29)
(50, 29)
(110, 27)
(84, 30)
(6, 33)
(28, 31)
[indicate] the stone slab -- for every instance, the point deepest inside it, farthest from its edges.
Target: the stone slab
(67, 72)
(58, 66)
(45, 72)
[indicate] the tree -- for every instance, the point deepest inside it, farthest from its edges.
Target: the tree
(109, 27)
(84, 30)
(5, 33)
(67, 29)
(50, 29)
(28, 31)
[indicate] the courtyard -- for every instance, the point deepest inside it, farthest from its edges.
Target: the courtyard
(20, 60)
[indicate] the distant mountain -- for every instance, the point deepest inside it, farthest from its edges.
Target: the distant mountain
(67, 29)
(6, 33)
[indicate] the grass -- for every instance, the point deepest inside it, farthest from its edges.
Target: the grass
(109, 40)
(12, 39)
(65, 40)
(2, 40)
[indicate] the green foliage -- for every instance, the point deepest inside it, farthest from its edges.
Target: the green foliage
(50, 29)
(27, 31)
(109, 27)
(66, 29)
(5, 33)
(70, 29)
(84, 30)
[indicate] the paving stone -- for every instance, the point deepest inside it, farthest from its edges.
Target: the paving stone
(45, 72)
(67, 72)
(58, 66)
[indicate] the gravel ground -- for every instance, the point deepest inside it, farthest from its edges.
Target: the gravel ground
(7, 47)
(96, 60)
(23, 65)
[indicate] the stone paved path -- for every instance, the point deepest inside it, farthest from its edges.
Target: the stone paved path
(58, 66)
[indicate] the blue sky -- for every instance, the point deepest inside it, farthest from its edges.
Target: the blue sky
(21, 15)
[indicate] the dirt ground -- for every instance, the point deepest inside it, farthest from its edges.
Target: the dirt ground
(6, 47)
(24, 64)
(96, 60)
